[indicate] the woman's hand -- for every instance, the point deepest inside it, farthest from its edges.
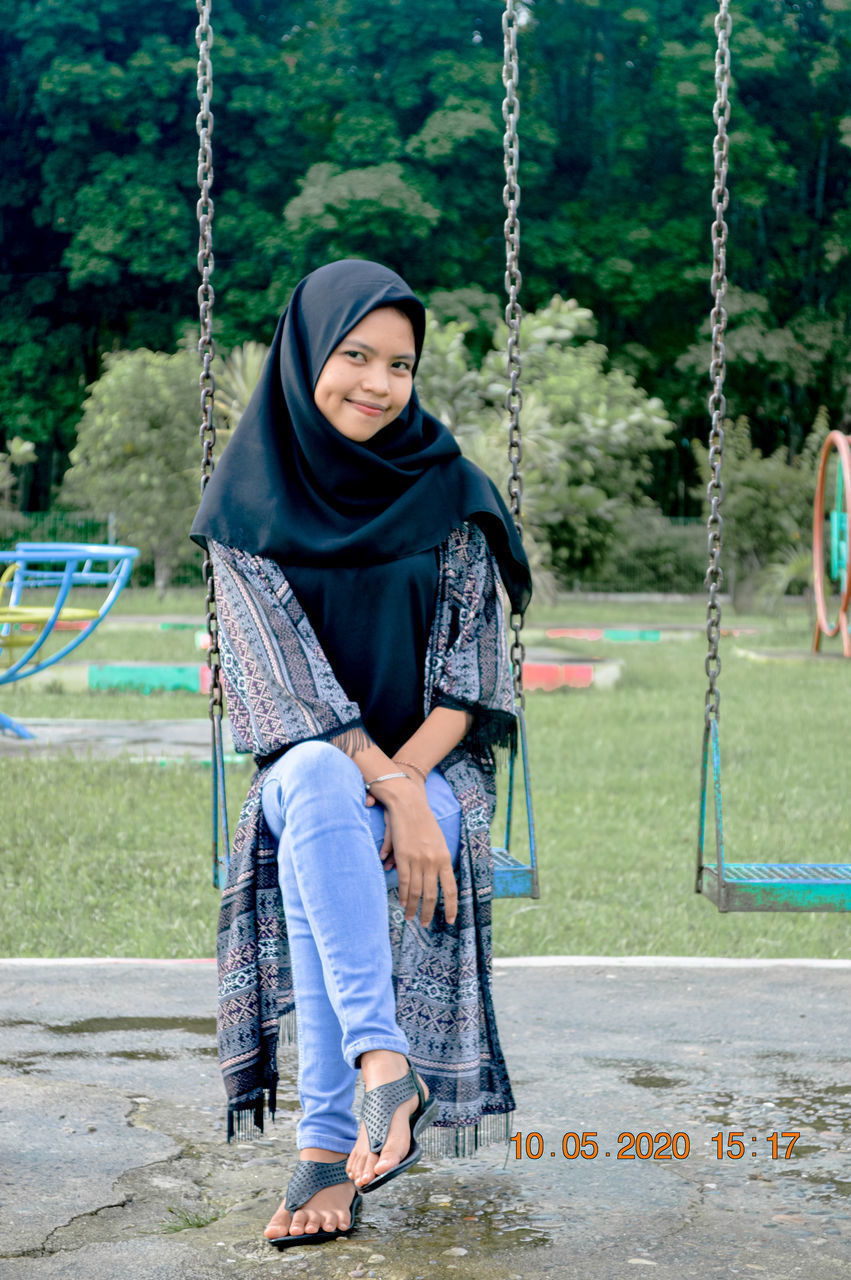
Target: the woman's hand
(414, 840)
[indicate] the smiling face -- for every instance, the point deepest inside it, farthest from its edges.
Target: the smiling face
(367, 380)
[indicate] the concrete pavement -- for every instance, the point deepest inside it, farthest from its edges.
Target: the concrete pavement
(114, 1161)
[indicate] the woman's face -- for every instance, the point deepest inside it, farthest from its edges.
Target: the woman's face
(367, 380)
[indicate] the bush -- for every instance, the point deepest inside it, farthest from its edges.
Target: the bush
(767, 509)
(649, 553)
(589, 431)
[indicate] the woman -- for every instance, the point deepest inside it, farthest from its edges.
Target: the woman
(357, 558)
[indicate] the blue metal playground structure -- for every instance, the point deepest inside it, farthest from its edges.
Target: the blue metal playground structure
(25, 626)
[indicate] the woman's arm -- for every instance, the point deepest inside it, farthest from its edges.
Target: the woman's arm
(469, 667)
(441, 730)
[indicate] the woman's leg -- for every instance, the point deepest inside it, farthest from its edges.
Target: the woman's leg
(335, 900)
(379, 1067)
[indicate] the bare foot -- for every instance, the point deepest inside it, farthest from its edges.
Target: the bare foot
(329, 1210)
(380, 1066)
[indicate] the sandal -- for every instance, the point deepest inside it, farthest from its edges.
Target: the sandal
(379, 1107)
(309, 1177)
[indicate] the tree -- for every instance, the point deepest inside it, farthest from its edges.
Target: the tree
(136, 453)
(21, 455)
(342, 129)
(589, 430)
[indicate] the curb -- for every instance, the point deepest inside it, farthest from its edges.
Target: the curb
(193, 677)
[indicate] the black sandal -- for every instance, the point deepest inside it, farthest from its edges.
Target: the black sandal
(379, 1107)
(309, 1177)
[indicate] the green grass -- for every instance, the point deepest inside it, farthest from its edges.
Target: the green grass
(184, 601)
(112, 858)
(188, 1219)
(108, 858)
(615, 777)
(24, 702)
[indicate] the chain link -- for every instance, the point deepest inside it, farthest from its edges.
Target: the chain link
(206, 298)
(717, 367)
(513, 312)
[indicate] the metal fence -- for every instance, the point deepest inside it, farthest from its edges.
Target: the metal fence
(52, 526)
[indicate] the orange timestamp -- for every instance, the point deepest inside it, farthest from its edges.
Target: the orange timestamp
(651, 1146)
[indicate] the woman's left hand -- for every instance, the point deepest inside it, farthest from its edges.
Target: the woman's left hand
(414, 843)
(385, 853)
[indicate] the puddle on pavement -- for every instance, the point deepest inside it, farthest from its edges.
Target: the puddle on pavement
(828, 1111)
(825, 1187)
(644, 1081)
(95, 1026)
(142, 1055)
(820, 1114)
(644, 1075)
(484, 1221)
(822, 1118)
(23, 1066)
(32, 1065)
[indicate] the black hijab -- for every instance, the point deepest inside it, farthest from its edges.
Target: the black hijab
(291, 487)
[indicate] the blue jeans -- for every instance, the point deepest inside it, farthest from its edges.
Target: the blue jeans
(334, 890)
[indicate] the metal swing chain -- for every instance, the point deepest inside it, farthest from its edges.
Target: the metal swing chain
(513, 311)
(206, 297)
(717, 367)
(207, 351)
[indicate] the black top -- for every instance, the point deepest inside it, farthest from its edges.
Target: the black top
(359, 615)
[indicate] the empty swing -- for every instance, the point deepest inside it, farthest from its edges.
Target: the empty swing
(512, 877)
(744, 886)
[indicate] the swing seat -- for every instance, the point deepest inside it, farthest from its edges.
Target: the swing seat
(759, 886)
(778, 886)
(511, 877)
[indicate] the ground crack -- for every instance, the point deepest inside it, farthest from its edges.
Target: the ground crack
(44, 1250)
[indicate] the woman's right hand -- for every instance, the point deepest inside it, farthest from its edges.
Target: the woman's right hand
(421, 854)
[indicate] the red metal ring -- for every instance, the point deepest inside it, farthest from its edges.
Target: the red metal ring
(839, 442)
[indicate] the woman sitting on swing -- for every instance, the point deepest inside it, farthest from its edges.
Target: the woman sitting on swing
(357, 559)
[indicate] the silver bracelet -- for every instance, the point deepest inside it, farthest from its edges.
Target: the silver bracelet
(409, 764)
(385, 777)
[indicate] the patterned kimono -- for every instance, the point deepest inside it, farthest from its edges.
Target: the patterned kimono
(281, 691)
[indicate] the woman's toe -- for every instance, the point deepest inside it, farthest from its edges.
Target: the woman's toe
(278, 1226)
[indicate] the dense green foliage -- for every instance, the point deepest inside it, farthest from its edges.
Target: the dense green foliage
(344, 129)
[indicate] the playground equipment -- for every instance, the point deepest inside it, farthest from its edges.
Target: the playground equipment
(840, 541)
(747, 886)
(512, 878)
(25, 627)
